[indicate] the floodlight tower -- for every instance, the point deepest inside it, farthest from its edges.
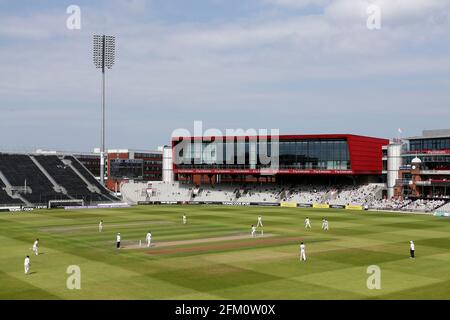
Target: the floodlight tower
(104, 56)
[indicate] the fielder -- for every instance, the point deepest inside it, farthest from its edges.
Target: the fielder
(307, 223)
(36, 247)
(253, 231)
(100, 226)
(411, 249)
(118, 239)
(302, 252)
(26, 264)
(149, 239)
(260, 224)
(184, 219)
(325, 224)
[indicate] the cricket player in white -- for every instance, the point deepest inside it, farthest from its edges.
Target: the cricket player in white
(307, 223)
(26, 264)
(118, 239)
(325, 224)
(100, 226)
(184, 219)
(260, 224)
(36, 247)
(302, 252)
(253, 231)
(149, 239)
(411, 249)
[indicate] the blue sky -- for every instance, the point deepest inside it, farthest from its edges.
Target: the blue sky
(300, 66)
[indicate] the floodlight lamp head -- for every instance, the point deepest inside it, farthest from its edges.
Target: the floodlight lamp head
(104, 48)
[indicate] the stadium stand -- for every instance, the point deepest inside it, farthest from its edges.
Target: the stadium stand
(389, 204)
(25, 177)
(308, 194)
(268, 193)
(87, 175)
(170, 192)
(5, 199)
(418, 205)
(65, 176)
(218, 193)
(423, 205)
(35, 180)
(134, 192)
(351, 195)
(368, 195)
(444, 208)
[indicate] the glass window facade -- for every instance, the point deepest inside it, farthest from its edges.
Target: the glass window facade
(320, 154)
(430, 144)
(152, 168)
(91, 162)
(126, 169)
(148, 155)
(431, 162)
(314, 154)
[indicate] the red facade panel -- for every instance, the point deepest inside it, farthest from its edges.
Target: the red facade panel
(366, 154)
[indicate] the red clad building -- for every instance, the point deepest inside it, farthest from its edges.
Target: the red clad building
(274, 158)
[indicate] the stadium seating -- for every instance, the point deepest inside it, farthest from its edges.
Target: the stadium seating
(423, 205)
(134, 192)
(5, 199)
(444, 208)
(419, 205)
(67, 178)
(90, 178)
(369, 195)
(389, 204)
(308, 194)
(217, 193)
(268, 193)
(170, 192)
(21, 172)
(351, 195)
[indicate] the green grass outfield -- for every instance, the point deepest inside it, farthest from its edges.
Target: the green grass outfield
(262, 268)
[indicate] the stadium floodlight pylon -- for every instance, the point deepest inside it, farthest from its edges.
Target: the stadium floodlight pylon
(104, 55)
